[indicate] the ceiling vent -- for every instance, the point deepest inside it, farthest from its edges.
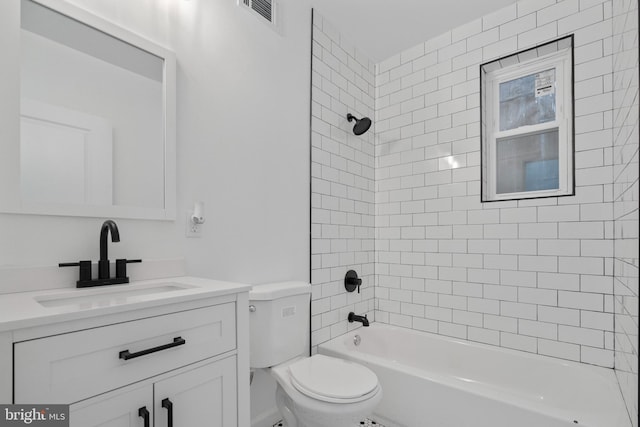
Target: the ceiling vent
(264, 8)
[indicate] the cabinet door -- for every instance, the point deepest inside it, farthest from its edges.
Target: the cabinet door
(120, 408)
(203, 397)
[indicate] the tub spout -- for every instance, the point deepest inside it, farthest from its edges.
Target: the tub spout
(355, 318)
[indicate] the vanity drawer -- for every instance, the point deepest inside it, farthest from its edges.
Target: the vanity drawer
(70, 367)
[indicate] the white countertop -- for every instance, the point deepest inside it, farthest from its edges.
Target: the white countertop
(29, 309)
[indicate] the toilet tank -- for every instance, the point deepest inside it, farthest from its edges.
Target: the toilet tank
(279, 322)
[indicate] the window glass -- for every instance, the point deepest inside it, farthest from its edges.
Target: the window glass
(528, 100)
(527, 162)
(541, 175)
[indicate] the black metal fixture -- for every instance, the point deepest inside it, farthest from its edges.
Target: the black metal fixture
(103, 264)
(104, 277)
(355, 318)
(144, 414)
(126, 354)
(362, 125)
(85, 269)
(351, 281)
(121, 267)
(168, 405)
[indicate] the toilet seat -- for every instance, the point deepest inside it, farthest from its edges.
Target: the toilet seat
(333, 380)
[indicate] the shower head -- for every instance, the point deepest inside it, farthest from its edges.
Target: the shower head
(362, 125)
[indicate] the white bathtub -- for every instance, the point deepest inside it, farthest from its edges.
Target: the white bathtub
(434, 381)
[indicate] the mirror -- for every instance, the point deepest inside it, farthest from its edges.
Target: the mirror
(97, 117)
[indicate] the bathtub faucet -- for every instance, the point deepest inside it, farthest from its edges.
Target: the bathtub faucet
(355, 318)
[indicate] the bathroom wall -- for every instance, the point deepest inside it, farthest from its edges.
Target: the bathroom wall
(625, 198)
(532, 275)
(342, 182)
(242, 142)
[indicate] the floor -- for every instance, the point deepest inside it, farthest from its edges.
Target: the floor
(366, 423)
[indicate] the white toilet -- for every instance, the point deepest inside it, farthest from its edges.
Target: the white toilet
(316, 391)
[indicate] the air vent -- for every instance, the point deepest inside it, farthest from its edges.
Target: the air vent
(264, 8)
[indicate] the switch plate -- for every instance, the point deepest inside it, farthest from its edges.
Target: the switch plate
(193, 230)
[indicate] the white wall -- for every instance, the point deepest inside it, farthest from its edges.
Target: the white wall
(242, 141)
(533, 275)
(243, 144)
(342, 183)
(625, 194)
(243, 111)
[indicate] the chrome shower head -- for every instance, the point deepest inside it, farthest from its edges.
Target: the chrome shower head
(362, 125)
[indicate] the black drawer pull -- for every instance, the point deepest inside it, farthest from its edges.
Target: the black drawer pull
(126, 355)
(144, 413)
(168, 405)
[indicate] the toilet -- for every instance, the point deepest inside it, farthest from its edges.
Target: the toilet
(316, 391)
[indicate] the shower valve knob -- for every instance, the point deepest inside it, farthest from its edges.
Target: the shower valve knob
(351, 281)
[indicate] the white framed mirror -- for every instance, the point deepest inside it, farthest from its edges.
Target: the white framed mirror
(97, 118)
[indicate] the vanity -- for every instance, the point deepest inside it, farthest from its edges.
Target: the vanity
(152, 353)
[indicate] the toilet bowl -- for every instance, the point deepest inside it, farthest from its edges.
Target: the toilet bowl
(316, 391)
(321, 391)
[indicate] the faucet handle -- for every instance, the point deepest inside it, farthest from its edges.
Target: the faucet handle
(352, 281)
(85, 269)
(121, 266)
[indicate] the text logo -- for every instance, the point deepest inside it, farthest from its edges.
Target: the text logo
(34, 415)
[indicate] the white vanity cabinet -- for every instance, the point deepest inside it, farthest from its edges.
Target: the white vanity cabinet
(122, 408)
(183, 364)
(203, 396)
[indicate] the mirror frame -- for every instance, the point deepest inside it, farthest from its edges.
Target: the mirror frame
(10, 197)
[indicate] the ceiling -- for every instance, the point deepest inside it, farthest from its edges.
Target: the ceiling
(382, 28)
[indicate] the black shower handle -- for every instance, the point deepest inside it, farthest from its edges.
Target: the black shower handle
(352, 281)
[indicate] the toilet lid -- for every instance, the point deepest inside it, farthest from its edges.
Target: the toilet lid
(330, 378)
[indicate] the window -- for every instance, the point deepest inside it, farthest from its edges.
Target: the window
(527, 123)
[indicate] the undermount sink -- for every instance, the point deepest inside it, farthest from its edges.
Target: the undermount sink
(124, 294)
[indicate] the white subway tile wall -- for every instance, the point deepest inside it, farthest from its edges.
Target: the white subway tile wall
(556, 276)
(625, 199)
(533, 275)
(342, 180)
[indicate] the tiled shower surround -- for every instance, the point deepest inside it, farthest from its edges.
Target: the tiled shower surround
(342, 182)
(625, 197)
(534, 275)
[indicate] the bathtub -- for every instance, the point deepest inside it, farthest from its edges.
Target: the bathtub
(434, 381)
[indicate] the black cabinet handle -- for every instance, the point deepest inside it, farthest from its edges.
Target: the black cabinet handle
(126, 355)
(144, 413)
(166, 403)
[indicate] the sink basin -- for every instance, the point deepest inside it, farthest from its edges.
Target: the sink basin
(93, 298)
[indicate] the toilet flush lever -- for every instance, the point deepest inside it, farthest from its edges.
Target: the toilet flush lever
(252, 308)
(351, 281)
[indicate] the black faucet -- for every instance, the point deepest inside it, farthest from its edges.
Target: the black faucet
(355, 318)
(103, 264)
(104, 276)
